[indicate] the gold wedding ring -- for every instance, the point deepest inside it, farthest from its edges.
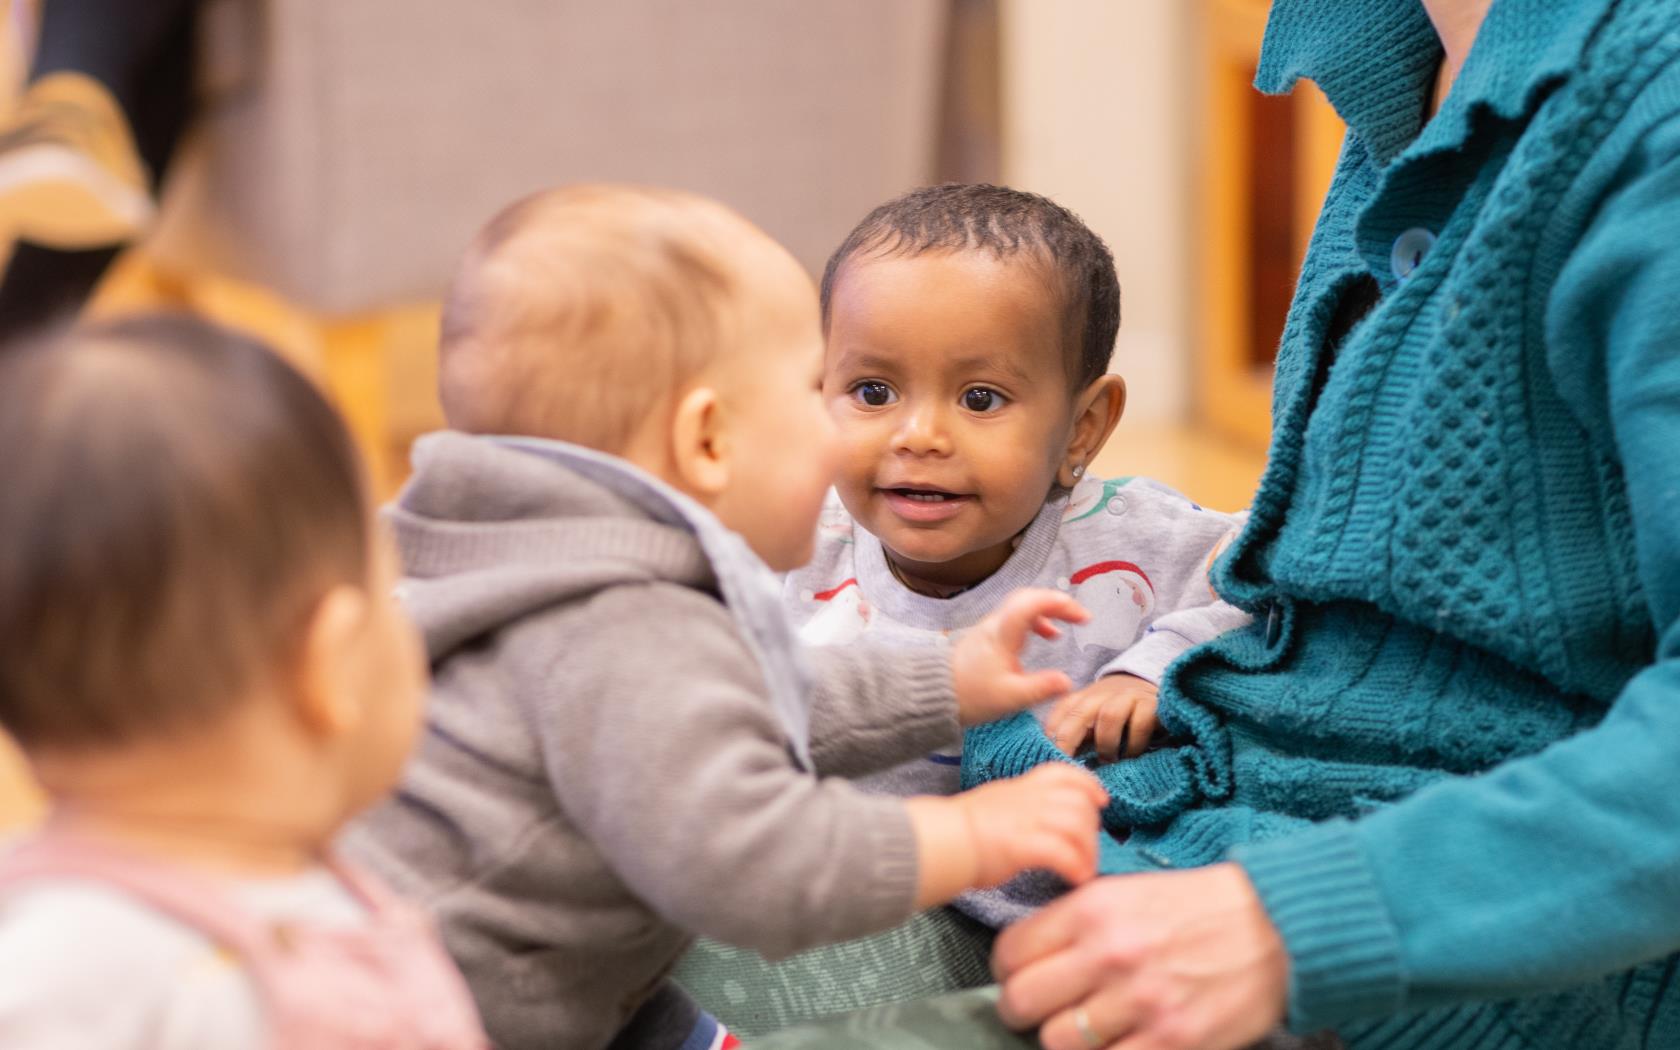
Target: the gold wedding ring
(1082, 1021)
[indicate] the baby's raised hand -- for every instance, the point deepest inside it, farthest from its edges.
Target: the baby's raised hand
(1116, 713)
(986, 661)
(1047, 818)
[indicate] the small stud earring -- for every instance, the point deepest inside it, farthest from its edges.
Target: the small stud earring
(1079, 470)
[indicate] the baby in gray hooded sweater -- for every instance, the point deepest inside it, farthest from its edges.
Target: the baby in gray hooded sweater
(624, 745)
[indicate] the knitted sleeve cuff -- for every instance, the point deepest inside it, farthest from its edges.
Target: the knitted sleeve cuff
(1344, 950)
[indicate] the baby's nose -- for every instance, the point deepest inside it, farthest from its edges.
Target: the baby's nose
(924, 433)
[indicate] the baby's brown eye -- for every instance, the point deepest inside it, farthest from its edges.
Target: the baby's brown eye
(873, 394)
(982, 400)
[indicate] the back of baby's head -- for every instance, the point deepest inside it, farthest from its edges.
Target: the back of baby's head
(176, 501)
(579, 311)
(1050, 242)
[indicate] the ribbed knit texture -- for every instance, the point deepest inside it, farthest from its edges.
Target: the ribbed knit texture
(1323, 899)
(1445, 751)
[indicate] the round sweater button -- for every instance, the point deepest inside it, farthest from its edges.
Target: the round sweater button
(1408, 252)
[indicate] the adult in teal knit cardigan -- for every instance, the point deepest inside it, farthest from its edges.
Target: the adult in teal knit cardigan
(1432, 797)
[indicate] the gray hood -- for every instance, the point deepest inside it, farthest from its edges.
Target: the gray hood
(490, 535)
(493, 529)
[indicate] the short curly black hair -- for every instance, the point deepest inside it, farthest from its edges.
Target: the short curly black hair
(960, 216)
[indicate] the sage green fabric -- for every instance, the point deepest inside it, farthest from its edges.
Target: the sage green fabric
(934, 953)
(959, 1021)
(962, 1019)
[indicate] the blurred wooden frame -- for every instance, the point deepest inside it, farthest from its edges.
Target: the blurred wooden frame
(1234, 390)
(357, 360)
(376, 367)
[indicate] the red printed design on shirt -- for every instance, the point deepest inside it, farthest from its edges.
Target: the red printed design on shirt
(828, 595)
(843, 617)
(1119, 596)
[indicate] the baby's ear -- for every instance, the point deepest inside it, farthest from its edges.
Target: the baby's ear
(700, 445)
(324, 675)
(1097, 410)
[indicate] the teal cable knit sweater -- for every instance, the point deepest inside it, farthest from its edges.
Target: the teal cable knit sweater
(1448, 751)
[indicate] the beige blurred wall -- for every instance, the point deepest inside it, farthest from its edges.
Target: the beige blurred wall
(1097, 107)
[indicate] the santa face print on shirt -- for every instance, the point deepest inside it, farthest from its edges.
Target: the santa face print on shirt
(843, 617)
(1119, 597)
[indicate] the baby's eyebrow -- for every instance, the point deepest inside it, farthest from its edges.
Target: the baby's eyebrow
(863, 362)
(992, 363)
(986, 364)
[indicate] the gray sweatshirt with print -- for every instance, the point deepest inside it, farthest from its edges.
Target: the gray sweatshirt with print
(1134, 552)
(603, 774)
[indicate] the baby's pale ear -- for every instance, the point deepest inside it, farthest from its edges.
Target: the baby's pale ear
(324, 677)
(700, 445)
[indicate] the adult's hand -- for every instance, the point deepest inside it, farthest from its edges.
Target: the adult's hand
(1183, 960)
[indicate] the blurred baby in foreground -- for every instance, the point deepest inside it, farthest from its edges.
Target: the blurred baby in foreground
(201, 660)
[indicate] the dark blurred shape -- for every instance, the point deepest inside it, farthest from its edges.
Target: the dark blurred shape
(971, 103)
(1273, 176)
(143, 53)
(45, 285)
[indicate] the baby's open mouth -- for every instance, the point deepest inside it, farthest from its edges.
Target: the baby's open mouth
(924, 495)
(924, 505)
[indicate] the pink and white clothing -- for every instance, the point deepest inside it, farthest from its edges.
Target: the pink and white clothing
(102, 948)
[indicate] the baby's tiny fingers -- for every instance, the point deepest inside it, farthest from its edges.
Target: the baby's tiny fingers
(1082, 847)
(1072, 722)
(1088, 795)
(1058, 711)
(1078, 827)
(1090, 813)
(1045, 629)
(1065, 777)
(1080, 803)
(1051, 604)
(1054, 777)
(1098, 795)
(1047, 685)
(1110, 729)
(1062, 857)
(1138, 733)
(1064, 707)
(1071, 733)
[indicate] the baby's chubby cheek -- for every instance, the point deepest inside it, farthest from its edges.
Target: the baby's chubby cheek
(853, 478)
